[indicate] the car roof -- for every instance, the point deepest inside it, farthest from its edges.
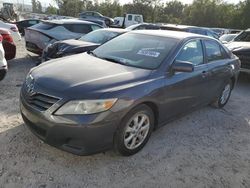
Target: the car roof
(171, 34)
(117, 30)
(68, 21)
(181, 27)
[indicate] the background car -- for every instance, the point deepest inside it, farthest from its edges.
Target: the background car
(116, 96)
(240, 46)
(190, 29)
(3, 62)
(40, 35)
(143, 26)
(8, 44)
(97, 16)
(23, 24)
(87, 42)
(99, 22)
(12, 28)
(227, 38)
(220, 31)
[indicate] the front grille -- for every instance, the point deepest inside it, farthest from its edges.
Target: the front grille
(245, 65)
(40, 101)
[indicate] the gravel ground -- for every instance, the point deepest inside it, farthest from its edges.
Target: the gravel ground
(207, 148)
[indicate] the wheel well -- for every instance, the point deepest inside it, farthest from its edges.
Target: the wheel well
(155, 110)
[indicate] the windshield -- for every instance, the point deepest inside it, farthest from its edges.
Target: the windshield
(137, 50)
(227, 38)
(99, 36)
(243, 36)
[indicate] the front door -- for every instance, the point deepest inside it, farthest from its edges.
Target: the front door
(184, 90)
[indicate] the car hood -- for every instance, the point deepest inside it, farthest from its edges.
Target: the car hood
(236, 46)
(83, 75)
(72, 45)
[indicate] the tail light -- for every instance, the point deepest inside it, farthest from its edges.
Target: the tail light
(1, 38)
(14, 29)
(7, 37)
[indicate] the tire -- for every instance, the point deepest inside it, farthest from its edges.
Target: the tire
(224, 96)
(2, 74)
(130, 137)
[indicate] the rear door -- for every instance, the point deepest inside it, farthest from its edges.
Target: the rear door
(184, 91)
(219, 66)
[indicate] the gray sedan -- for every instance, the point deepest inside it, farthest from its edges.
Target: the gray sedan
(117, 95)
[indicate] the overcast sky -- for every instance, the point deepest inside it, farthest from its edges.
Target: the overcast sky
(47, 2)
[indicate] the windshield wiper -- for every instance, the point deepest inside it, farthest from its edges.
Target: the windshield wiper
(113, 60)
(92, 53)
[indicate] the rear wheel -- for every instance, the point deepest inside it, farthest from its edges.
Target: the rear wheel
(222, 100)
(134, 131)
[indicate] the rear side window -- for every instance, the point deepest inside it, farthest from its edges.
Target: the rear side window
(44, 26)
(214, 51)
(78, 28)
(95, 27)
(33, 22)
(197, 31)
(192, 52)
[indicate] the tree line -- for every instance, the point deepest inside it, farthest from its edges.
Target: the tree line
(207, 13)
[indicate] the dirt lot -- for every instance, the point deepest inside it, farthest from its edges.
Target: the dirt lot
(208, 148)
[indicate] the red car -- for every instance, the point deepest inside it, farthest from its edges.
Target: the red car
(8, 44)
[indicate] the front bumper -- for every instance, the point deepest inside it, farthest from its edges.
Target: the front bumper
(86, 135)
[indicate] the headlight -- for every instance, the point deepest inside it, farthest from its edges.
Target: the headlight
(86, 106)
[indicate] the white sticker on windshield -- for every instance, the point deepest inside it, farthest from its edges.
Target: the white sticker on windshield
(148, 53)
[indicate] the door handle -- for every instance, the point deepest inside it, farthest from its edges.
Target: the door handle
(205, 74)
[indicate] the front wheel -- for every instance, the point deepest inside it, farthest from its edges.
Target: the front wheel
(134, 131)
(224, 96)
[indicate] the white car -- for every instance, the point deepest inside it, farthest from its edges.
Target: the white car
(13, 30)
(3, 62)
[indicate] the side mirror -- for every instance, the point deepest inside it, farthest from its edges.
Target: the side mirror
(182, 66)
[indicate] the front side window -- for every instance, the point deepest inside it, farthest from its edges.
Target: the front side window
(130, 18)
(192, 52)
(214, 51)
(137, 50)
(95, 27)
